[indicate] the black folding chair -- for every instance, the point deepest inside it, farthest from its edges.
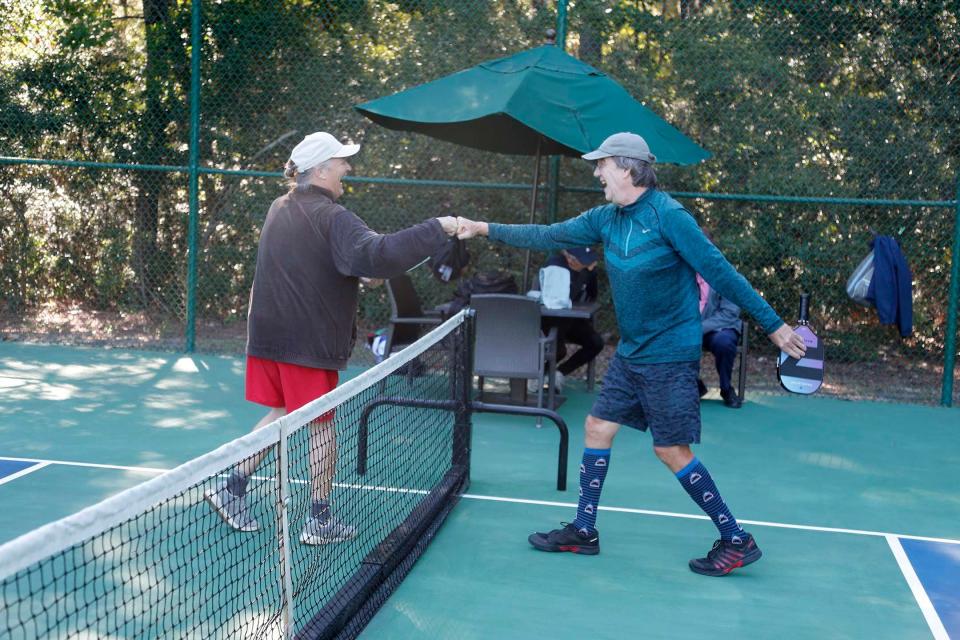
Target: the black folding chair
(509, 344)
(407, 316)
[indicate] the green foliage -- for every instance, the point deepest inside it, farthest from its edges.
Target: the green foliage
(803, 98)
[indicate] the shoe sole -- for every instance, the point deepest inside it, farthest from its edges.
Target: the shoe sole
(584, 550)
(717, 573)
(216, 508)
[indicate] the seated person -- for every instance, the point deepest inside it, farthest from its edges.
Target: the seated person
(581, 262)
(721, 325)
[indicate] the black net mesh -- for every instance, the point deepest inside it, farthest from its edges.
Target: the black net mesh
(386, 464)
(174, 570)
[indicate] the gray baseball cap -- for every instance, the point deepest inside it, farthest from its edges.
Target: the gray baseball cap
(626, 145)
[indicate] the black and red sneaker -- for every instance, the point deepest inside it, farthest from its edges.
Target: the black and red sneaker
(567, 539)
(725, 556)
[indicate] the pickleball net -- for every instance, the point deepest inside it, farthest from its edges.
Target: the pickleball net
(156, 561)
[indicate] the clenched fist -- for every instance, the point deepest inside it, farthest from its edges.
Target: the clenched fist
(449, 224)
(467, 228)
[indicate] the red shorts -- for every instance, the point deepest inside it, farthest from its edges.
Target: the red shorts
(281, 384)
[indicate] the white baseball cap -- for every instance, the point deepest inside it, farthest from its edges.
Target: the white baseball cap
(319, 147)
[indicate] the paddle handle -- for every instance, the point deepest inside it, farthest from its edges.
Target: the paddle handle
(804, 308)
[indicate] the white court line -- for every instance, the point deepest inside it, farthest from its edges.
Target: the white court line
(913, 581)
(919, 593)
(157, 471)
(91, 465)
(543, 503)
(690, 516)
(19, 474)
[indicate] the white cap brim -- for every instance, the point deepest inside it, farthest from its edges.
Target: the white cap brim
(346, 151)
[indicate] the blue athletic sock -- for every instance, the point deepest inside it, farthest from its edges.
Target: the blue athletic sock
(593, 470)
(697, 481)
(320, 509)
(237, 483)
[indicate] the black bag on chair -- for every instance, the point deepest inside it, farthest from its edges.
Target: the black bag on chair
(484, 282)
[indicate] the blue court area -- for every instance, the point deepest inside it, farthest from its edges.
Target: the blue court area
(937, 566)
(13, 469)
(854, 505)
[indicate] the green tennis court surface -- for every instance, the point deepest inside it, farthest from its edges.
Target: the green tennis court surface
(855, 505)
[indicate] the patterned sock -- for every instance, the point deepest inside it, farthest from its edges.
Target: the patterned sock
(593, 470)
(237, 483)
(697, 481)
(320, 509)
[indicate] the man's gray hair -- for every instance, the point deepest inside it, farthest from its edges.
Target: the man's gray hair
(300, 179)
(641, 171)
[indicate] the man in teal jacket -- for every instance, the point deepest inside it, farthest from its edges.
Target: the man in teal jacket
(653, 249)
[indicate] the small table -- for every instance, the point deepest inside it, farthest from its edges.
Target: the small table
(585, 311)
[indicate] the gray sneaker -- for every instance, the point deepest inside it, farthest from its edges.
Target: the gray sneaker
(233, 509)
(316, 532)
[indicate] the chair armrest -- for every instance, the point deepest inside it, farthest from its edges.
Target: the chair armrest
(549, 342)
(551, 335)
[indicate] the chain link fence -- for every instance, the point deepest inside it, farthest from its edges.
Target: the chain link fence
(830, 119)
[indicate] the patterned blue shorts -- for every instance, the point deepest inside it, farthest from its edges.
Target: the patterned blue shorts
(661, 397)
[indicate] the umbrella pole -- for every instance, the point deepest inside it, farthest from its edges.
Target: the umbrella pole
(533, 213)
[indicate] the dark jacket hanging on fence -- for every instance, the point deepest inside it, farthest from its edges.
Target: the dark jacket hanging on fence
(891, 289)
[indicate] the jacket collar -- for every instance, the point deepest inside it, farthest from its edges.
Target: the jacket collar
(313, 192)
(638, 203)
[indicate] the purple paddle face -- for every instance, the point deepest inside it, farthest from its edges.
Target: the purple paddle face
(806, 374)
(810, 339)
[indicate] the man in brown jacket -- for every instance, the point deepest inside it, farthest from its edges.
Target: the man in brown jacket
(301, 329)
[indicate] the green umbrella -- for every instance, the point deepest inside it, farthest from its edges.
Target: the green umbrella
(539, 101)
(542, 97)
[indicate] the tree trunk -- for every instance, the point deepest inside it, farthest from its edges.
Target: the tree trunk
(591, 37)
(151, 143)
(16, 272)
(690, 8)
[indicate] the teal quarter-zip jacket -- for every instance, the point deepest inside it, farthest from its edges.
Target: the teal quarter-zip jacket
(653, 249)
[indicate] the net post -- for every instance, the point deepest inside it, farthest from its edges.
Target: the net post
(463, 390)
(283, 466)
